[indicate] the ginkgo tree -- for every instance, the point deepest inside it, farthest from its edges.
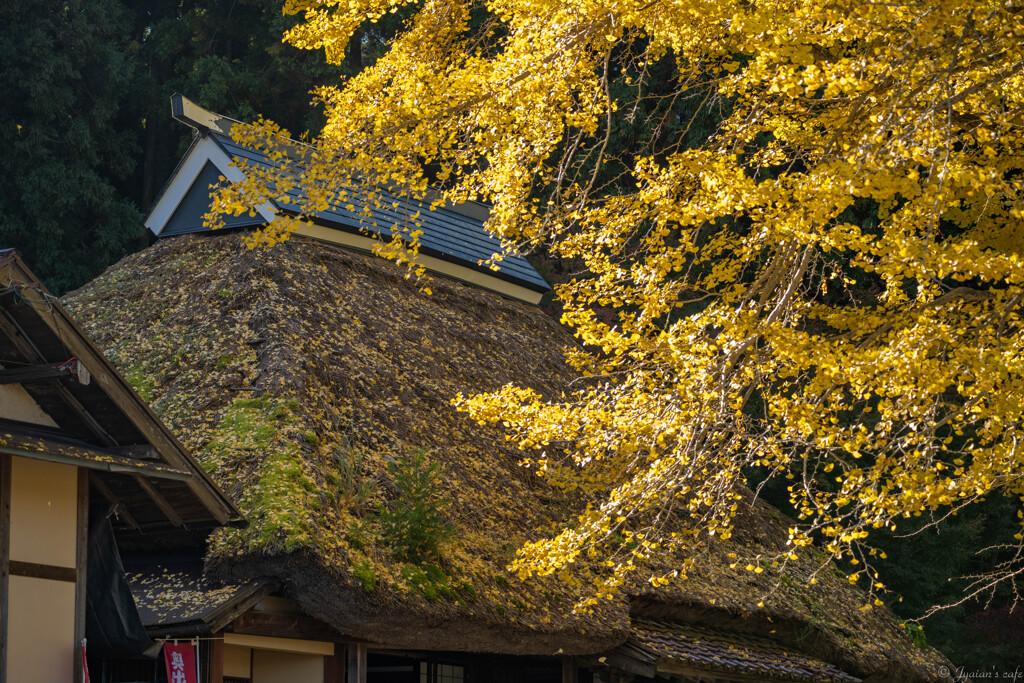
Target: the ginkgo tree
(827, 288)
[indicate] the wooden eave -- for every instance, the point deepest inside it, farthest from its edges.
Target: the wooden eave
(105, 424)
(16, 442)
(227, 614)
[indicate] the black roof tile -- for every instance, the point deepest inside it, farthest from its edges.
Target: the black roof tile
(731, 653)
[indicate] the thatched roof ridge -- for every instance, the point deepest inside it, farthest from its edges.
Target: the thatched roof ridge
(297, 373)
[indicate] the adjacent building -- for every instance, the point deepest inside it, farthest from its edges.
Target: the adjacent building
(75, 442)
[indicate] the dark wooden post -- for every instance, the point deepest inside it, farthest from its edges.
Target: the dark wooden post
(569, 670)
(5, 556)
(216, 673)
(334, 665)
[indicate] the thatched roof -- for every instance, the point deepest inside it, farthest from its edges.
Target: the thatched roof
(297, 373)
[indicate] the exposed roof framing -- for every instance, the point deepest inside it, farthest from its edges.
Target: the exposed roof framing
(33, 373)
(97, 421)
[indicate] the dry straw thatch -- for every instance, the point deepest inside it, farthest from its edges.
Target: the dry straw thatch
(295, 374)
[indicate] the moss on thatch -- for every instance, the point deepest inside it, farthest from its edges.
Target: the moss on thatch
(297, 374)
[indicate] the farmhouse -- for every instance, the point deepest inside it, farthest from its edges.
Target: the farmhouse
(313, 383)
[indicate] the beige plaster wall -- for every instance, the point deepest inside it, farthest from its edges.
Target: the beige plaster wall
(16, 404)
(286, 667)
(236, 661)
(41, 630)
(44, 512)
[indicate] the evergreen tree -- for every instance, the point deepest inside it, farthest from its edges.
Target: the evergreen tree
(87, 136)
(63, 149)
(229, 57)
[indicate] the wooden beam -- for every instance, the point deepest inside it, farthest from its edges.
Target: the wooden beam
(283, 626)
(49, 572)
(120, 393)
(455, 271)
(120, 509)
(623, 662)
(355, 663)
(81, 566)
(93, 457)
(19, 340)
(169, 512)
(32, 373)
(95, 427)
(569, 670)
(5, 557)
(296, 645)
(191, 114)
(229, 614)
(141, 415)
(144, 451)
(699, 673)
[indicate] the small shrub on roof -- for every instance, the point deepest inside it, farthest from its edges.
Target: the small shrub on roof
(413, 527)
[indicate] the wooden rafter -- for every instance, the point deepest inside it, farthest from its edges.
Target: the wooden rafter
(27, 349)
(161, 447)
(28, 445)
(160, 501)
(104, 375)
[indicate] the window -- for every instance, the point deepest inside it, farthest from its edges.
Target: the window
(431, 672)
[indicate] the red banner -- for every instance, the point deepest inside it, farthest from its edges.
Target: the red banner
(85, 664)
(180, 659)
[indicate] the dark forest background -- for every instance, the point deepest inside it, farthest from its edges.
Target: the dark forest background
(86, 137)
(87, 142)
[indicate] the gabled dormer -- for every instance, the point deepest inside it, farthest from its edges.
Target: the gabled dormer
(453, 243)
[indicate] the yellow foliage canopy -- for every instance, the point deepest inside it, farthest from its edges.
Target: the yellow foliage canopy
(741, 335)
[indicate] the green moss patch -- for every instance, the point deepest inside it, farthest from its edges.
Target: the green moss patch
(248, 424)
(278, 501)
(141, 381)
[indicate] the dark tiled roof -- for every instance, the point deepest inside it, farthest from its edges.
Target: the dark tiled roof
(729, 653)
(175, 595)
(446, 233)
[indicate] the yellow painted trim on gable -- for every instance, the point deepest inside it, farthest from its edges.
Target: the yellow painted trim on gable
(306, 647)
(434, 265)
